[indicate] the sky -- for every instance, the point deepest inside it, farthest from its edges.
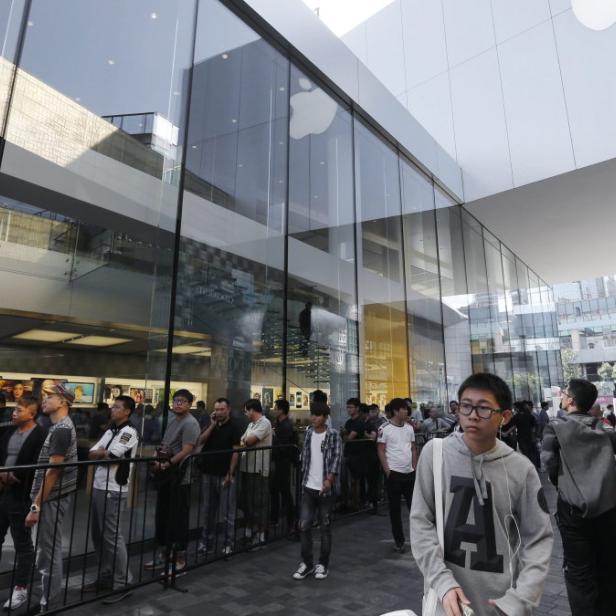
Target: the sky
(341, 16)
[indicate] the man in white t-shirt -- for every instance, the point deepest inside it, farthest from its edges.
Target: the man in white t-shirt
(398, 457)
(320, 467)
(109, 494)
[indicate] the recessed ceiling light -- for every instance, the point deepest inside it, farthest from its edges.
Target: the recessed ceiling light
(153, 15)
(111, 62)
(176, 93)
(194, 147)
(281, 88)
(233, 121)
(322, 162)
(187, 349)
(30, 23)
(225, 56)
(77, 99)
(45, 335)
(99, 341)
(595, 14)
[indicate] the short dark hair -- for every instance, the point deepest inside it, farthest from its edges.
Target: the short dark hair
(221, 401)
(319, 408)
(282, 405)
(396, 404)
(545, 406)
(184, 393)
(200, 404)
(353, 401)
(364, 408)
(102, 406)
(127, 402)
(318, 395)
(253, 405)
(492, 383)
(584, 393)
(374, 407)
(29, 401)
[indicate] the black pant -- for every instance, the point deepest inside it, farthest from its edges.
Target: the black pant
(313, 504)
(172, 515)
(399, 485)
(589, 546)
(13, 514)
(281, 492)
(373, 473)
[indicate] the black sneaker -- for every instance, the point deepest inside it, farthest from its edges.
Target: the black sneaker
(303, 571)
(399, 547)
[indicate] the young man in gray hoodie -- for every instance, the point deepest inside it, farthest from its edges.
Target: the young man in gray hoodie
(497, 535)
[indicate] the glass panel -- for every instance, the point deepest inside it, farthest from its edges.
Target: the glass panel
(229, 303)
(322, 343)
(499, 319)
(380, 271)
(482, 342)
(428, 383)
(455, 299)
(516, 333)
(11, 22)
(88, 210)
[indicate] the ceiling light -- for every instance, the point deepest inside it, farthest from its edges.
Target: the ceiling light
(153, 15)
(99, 341)
(194, 147)
(30, 23)
(225, 56)
(110, 62)
(45, 335)
(77, 99)
(595, 14)
(233, 121)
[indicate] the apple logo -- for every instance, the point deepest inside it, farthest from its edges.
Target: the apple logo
(312, 111)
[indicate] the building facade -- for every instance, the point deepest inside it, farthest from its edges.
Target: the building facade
(187, 202)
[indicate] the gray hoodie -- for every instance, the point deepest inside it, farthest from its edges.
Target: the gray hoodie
(487, 499)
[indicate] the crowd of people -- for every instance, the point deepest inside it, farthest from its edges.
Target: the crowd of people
(489, 448)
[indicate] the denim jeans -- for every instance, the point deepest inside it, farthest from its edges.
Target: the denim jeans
(218, 505)
(313, 504)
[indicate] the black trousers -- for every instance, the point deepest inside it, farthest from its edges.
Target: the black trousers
(589, 546)
(13, 514)
(280, 487)
(399, 485)
(172, 515)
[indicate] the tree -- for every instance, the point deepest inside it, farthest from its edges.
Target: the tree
(570, 370)
(605, 372)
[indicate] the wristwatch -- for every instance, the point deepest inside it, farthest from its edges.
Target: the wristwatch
(35, 509)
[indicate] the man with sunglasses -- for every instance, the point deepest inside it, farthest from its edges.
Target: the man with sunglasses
(497, 531)
(578, 454)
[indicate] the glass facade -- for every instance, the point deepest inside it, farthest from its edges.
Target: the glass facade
(182, 206)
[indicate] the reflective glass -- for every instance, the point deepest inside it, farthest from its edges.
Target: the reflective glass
(425, 331)
(499, 318)
(230, 287)
(385, 369)
(482, 341)
(455, 299)
(88, 209)
(322, 347)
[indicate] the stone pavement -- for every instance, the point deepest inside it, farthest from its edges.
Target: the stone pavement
(366, 579)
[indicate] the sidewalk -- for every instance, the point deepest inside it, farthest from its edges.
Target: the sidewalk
(366, 579)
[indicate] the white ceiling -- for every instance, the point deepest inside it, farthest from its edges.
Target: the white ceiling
(563, 227)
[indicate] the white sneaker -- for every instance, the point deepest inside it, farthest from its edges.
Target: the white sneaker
(18, 597)
(227, 550)
(320, 572)
(303, 571)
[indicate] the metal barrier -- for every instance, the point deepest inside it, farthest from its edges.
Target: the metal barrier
(96, 544)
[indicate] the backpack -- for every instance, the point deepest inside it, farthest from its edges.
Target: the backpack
(587, 473)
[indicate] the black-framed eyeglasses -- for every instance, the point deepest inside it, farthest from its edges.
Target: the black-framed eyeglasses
(483, 411)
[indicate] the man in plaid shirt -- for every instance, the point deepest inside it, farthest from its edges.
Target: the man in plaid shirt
(320, 465)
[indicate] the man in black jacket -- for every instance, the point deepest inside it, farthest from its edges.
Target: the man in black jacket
(20, 445)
